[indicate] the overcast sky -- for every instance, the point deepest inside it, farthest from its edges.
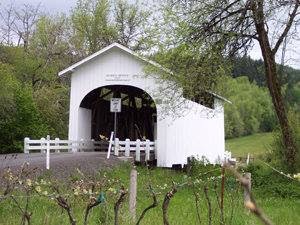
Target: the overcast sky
(50, 6)
(64, 6)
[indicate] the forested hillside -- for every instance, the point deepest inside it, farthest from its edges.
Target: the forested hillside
(252, 110)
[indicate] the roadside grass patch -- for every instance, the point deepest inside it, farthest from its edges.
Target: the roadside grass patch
(256, 144)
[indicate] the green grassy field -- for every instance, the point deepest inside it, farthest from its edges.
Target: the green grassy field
(182, 209)
(256, 144)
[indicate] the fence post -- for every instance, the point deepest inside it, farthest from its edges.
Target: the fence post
(147, 150)
(26, 145)
(117, 146)
(132, 193)
(81, 145)
(247, 176)
(138, 150)
(93, 147)
(57, 145)
(70, 146)
(155, 149)
(43, 147)
(248, 159)
(127, 147)
(48, 153)
(110, 144)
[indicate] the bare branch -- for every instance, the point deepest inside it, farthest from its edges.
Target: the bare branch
(251, 204)
(166, 202)
(287, 27)
(208, 205)
(117, 205)
(153, 205)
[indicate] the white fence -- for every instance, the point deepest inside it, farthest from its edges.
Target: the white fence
(119, 148)
(137, 147)
(228, 157)
(58, 145)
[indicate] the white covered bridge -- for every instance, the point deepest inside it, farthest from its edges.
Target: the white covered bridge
(117, 72)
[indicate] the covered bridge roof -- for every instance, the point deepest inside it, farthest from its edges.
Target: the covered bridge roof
(73, 67)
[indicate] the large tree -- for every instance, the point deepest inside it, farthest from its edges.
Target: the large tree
(236, 24)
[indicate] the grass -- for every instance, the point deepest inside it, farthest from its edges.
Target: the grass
(182, 209)
(256, 144)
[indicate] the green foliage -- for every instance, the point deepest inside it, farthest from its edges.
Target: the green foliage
(98, 23)
(253, 69)
(276, 154)
(292, 95)
(8, 84)
(24, 121)
(194, 70)
(132, 26)
(202, 169)
(267, 182)
(53, 105)
(92, 26)
(251, 110)
(34, 101)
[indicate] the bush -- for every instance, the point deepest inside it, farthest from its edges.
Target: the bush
(268, 182)
(201, 168)
(251, 110)
(24, 121)
(276, 155)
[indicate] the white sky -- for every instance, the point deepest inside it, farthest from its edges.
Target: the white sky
(292, 58)
(50, 6)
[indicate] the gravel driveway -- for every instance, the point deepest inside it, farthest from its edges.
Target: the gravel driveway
(62, 165)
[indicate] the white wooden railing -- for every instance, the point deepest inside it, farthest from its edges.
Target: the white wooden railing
(137, 147)
(228, 157)
(58, 145)
(119, 148)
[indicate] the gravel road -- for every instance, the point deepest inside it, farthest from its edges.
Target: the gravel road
(62, 165)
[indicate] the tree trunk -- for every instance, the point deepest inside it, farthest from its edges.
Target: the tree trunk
(275, 89)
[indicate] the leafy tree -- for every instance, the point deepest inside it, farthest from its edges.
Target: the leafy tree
(92, 27)
(253, 69)
(53, 104)
(277, 148)
(50, 42)
(19, 116)
(251, 111)
(132, 26)
(193, 73)
(235, 24)
(8, 84)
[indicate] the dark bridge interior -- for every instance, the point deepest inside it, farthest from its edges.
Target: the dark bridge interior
(136, 120)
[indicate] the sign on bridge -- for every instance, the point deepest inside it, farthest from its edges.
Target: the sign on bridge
(115, 105)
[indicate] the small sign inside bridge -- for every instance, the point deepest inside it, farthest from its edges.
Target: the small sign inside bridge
(115, 105)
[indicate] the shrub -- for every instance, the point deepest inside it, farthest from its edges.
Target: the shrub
(276, 155)
(268, 182)
(25, 121)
